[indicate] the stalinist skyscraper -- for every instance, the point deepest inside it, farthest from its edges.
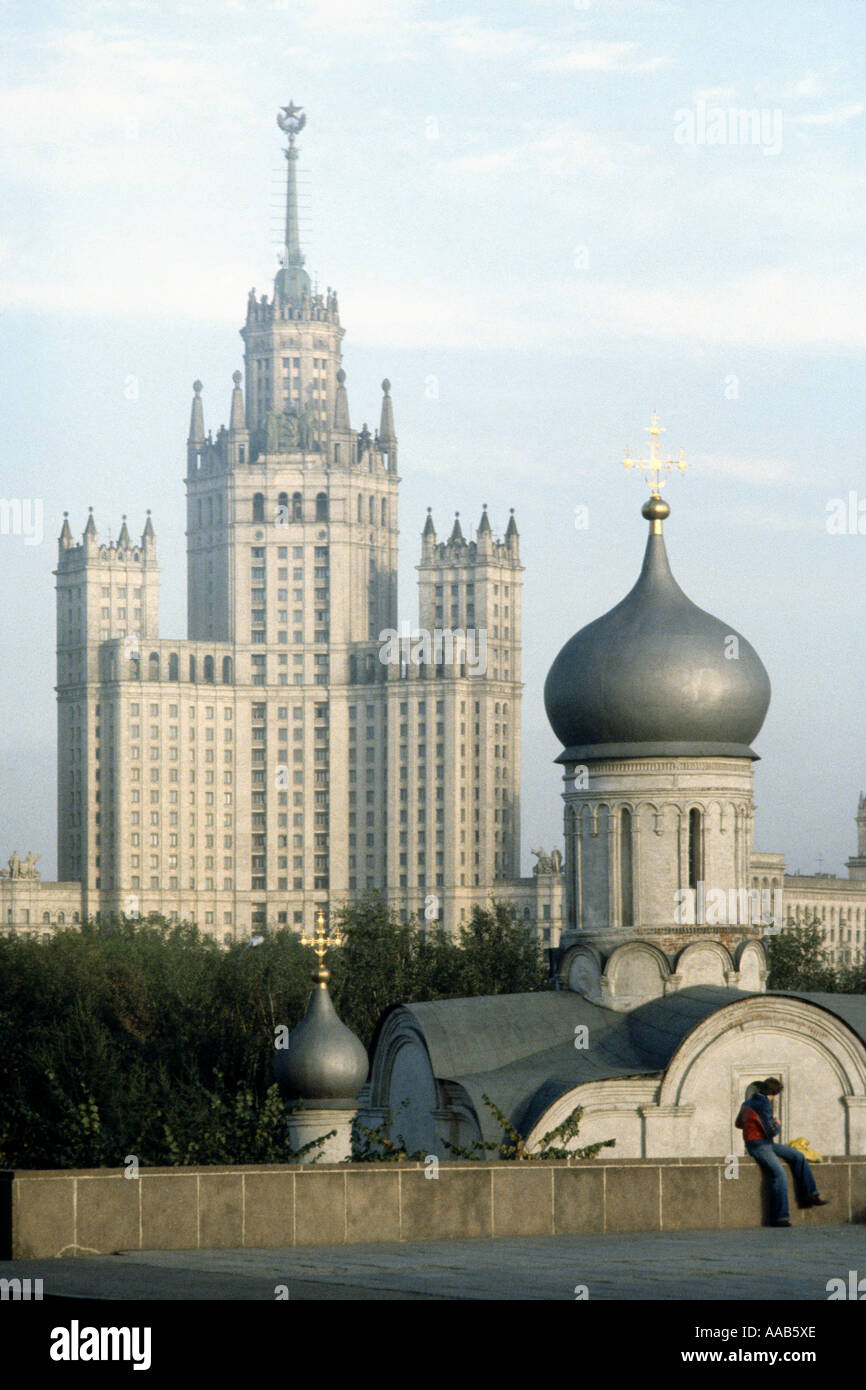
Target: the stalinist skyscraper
(300, 746)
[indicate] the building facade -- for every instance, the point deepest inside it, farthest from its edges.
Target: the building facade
(300, 747)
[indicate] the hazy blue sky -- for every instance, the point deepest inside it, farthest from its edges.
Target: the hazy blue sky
(536, 233)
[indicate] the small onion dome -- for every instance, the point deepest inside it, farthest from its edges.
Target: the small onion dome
(324, 1061)
(656, 676)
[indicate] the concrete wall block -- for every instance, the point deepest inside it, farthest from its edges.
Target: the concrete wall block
(578, 1200)
(742, 1202)
(858, 1191)
(108, 1213)
(220, 1211)
(269, 1210)
(523, 1200)
(43, 1217)
(320, 1208)
(632, 1199)
(690, 1198)
(373, 1204)
(457, 1205)
(169, 1211)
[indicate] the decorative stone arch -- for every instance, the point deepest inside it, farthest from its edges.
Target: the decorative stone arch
(634, 973)
(705, 963)
(607, 1106)
(657, 812)
(751, 962)
(581, 970)
(821, 1061)
(401, 1070)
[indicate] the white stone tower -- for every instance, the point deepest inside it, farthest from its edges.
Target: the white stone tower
(656, 704)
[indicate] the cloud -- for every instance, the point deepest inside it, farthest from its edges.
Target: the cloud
(767, 472)
(104, 105)
(761, 518)
(839, 115)
(595, 55)
(484, 40)
(716, 94)
(554, 153)
(469, 36)
(783, 309)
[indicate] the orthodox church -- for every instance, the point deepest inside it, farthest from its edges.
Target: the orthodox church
(660, 1019)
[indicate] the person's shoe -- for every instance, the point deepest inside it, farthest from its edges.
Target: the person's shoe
(818, 1201)
(780, 1223)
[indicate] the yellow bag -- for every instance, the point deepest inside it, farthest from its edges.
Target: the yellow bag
(806, 1149)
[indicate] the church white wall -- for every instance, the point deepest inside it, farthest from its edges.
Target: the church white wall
(611, 1110)
(691, 1113)
(659, 793)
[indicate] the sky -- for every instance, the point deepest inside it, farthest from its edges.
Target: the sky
(544, 221)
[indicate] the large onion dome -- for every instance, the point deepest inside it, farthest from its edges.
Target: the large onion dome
(656, 675)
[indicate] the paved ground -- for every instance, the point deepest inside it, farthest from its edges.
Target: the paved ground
(736, 1265)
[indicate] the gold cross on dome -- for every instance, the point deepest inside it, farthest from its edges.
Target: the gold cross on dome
(655, 465)
(321, 939)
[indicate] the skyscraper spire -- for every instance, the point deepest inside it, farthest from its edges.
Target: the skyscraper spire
(292, 281)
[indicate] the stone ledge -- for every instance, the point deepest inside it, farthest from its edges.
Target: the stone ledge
(50, 1214)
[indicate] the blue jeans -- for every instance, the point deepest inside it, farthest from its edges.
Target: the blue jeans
(768, 1155)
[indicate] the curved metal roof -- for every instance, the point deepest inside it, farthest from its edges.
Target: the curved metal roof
(519, 1048)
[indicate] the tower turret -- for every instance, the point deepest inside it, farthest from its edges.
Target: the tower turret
(65, 541)
(387, 433)
(341, 403)
(857, 864)
(484, 535)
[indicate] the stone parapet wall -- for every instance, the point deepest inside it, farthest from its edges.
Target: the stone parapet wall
(47, 1214)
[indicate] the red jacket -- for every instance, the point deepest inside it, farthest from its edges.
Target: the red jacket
(751, 1123)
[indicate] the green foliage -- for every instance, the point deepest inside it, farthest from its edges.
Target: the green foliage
(513, 1146)
(498, 954)
(374, 1144)
(384, 961)
(798, 961)
(146, 1038)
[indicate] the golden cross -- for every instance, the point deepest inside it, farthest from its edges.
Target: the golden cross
(321, 940)
(655, 465)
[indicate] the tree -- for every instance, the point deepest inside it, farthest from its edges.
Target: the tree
(798, 961)
(499, 954)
